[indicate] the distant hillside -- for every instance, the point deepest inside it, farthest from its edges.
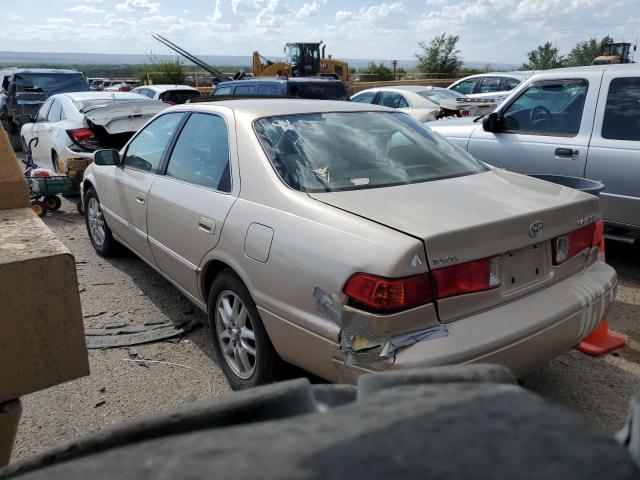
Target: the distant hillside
(19, 58)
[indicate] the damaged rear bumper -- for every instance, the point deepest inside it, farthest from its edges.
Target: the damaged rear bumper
(520, 335)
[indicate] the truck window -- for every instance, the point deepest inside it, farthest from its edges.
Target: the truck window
(271, 90)
(243, 90)
(222, 91)
(549, 107)
(622, 112)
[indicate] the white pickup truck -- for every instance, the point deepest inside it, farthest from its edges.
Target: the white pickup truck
(580, 122)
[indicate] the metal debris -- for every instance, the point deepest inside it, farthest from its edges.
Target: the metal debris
(135, 335)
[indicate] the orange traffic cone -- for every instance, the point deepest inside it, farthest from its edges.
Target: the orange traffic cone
(601, 340)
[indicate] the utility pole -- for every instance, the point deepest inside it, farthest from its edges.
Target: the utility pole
(395, 64)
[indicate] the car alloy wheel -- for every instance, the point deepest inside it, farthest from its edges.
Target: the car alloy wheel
(96, 221)
(235, 333)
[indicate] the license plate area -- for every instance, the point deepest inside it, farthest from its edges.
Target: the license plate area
(525, 266)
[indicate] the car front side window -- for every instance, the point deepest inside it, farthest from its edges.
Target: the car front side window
(622, 112)
(146, 150)
(549, 107)
(365, 97)
(465, 87)
(201, 153)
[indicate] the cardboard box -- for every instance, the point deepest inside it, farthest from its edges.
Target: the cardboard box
(41, 327)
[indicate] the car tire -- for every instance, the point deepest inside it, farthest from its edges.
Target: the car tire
(237, 330)
(53, 202)
(39, 207)
(99, 232)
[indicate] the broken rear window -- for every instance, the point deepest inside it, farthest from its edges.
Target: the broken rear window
(324, 152)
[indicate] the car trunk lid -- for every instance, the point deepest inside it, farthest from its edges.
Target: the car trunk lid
(459, 220)
(120, 117)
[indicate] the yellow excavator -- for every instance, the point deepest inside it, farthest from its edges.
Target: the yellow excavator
(614, 52)
(303, 60)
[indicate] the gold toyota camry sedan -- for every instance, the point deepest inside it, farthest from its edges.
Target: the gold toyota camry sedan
(347, 238)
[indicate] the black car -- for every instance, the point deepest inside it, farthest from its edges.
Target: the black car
(315, 88)
(23, 90)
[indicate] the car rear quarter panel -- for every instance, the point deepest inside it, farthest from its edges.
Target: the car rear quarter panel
(314, 246)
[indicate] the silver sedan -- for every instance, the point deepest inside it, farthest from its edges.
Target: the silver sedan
(347, 238)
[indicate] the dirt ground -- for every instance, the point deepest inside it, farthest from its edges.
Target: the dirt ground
(126, 290)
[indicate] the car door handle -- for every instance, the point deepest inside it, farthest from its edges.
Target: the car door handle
(207, 225)
(140, 197)
(567, 152)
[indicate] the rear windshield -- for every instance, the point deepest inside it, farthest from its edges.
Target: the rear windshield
(318, 90)
(178, 97)
(50, 83)
(325, 152)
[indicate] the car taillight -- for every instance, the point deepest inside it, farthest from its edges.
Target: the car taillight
(80, 134)
(569, 245)
(379, 294)
(465, 113)
(469, 277)
(124, 89)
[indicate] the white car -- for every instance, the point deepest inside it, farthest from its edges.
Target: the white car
(495, 86)
(424, 103)
(77, 124)
(171, 94)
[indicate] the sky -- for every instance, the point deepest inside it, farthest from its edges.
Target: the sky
(500, 31)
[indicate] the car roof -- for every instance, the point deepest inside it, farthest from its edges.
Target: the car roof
(48, 71)
(622, 67)
(165, 88)
(280, 80)
(80, 96)
(520, 75)
(267, 107)
(401, 88)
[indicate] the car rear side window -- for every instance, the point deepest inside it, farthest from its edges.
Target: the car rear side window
(622, 112)
(201, 154)
(146, 150)
(490, 84)
(44, 110)
(178, 97)
(269, 90)
(55, 114)
(510, 83)
(549, 107)
(243, 90)
(392, 100)
(366, 97)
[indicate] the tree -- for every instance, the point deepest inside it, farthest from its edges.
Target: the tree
(585, 52)
(440, 55)
(377, 72)
(161, 71)
(544, 57)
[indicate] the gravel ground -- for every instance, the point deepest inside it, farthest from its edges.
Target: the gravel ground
(126, 290)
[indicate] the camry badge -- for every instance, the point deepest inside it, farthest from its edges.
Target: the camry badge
(535, 230)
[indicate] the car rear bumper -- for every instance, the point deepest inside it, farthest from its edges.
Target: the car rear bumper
(520, 335)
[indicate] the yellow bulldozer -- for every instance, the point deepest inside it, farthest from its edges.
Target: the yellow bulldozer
(303, 60)
(614, 52)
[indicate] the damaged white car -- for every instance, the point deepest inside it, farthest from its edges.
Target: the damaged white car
(77, 124)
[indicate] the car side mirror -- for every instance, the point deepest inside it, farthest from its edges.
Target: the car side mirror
(25, 118)
(492, 122)
(107, 157)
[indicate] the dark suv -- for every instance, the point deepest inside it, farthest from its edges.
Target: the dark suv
(315, 88)
(23, 90)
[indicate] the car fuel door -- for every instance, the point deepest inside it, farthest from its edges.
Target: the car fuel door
(188, 205)
(544, 129)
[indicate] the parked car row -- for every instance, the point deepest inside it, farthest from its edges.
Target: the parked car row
(362, 240)
(108, 85)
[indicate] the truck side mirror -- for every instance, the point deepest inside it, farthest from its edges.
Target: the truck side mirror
(107, 157)
(492, 122)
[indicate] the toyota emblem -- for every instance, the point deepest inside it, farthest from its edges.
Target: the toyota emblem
(535, 230)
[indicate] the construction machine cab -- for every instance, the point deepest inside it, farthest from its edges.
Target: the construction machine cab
(614, 52)
(304, 58)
